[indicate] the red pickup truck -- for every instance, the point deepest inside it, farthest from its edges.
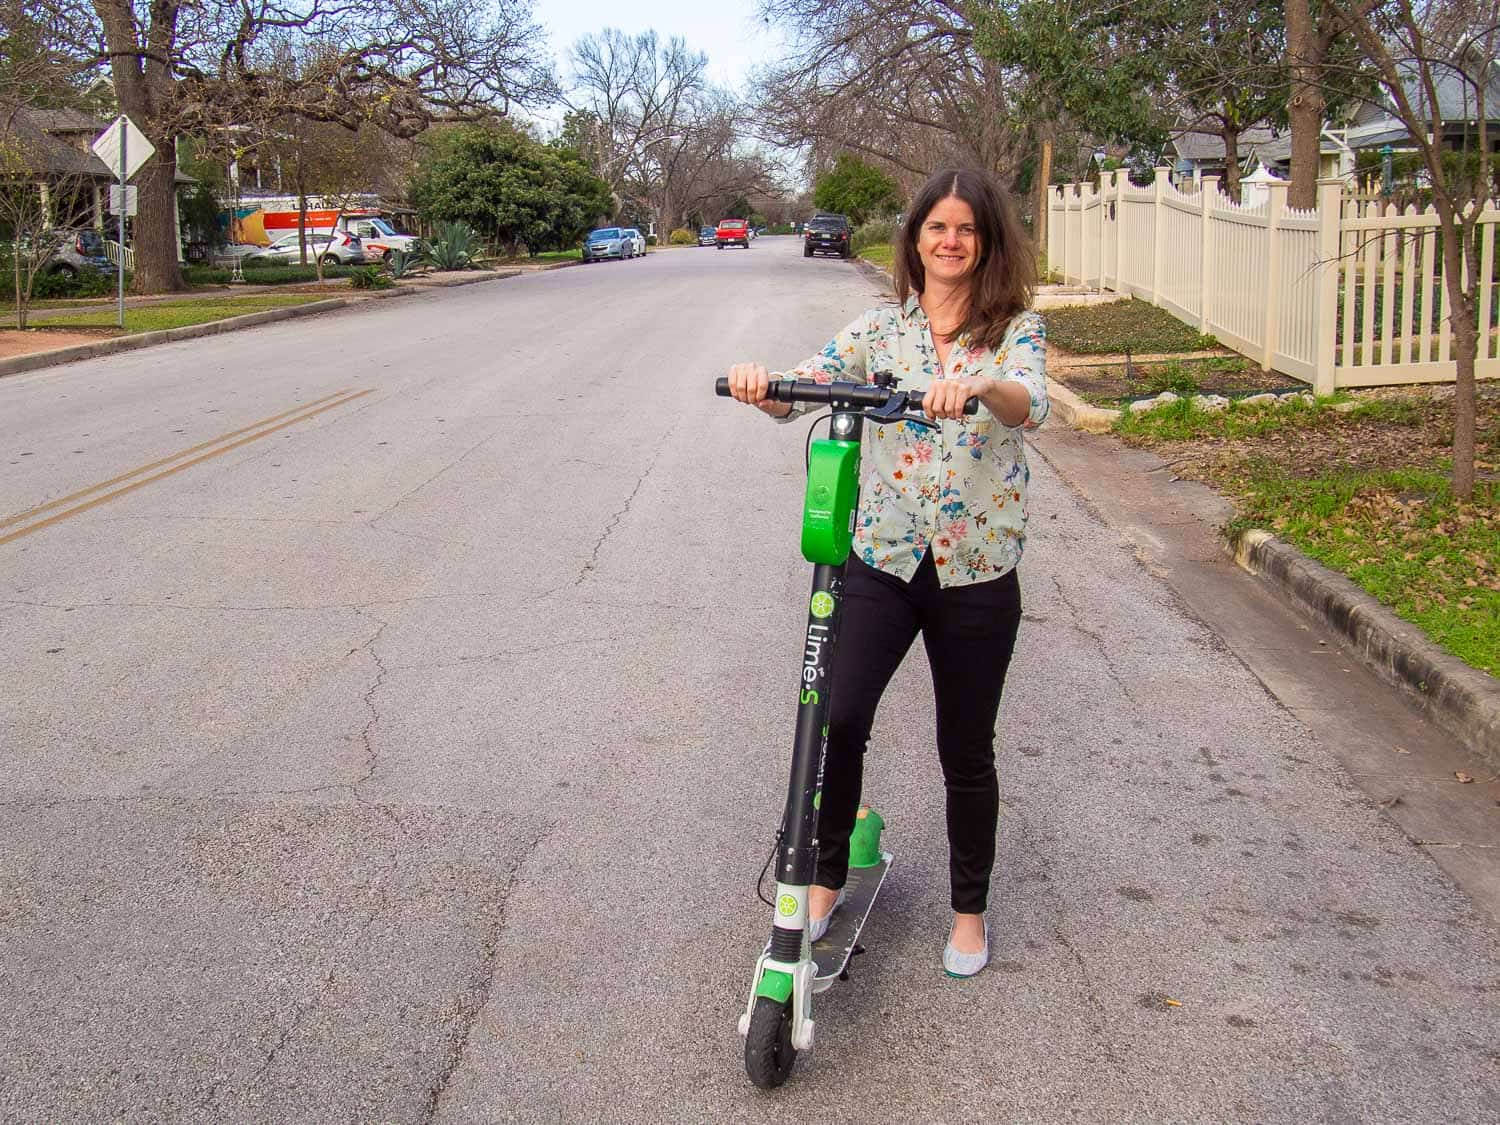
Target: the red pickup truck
(732, 232)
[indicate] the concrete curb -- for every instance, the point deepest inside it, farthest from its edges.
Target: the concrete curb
(1464, 701)
(1072, 411)
(16, 365)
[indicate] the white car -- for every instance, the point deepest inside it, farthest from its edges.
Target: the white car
(339, 249)
(637, 242)
(381, 240)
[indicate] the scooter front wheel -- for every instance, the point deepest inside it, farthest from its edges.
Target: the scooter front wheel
(769, 1054)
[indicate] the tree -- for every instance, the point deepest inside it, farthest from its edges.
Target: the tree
(855, 189)
(899, 81)
(1436, 64)
(1091, 68)
(202, 68)
(37, 221)
(1225, 64)
(510, 187)
(655, 130)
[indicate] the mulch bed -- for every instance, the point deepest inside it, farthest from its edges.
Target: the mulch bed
(1108, 385)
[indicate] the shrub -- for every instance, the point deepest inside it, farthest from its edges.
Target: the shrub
(781, 228)
(877, 233)
(681, 237)
(369, 277)
(454, 248)
(54, 284)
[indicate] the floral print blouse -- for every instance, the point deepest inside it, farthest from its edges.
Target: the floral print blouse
(957, 489)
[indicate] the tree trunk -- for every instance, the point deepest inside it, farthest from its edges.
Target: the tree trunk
(156, 266)
(1305, 104)
(143, 89)
(1464, 322)
(1231, 181)
(1043, 182)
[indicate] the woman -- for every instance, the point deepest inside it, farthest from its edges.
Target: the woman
(941, 521)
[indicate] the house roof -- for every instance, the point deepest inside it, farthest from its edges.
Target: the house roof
(1199, 144)
(40, 134)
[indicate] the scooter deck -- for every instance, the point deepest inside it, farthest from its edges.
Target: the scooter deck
(832, 953)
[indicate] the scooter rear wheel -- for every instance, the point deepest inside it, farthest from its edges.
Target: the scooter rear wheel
(769, 1054)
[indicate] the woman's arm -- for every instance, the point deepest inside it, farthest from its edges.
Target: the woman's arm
(1017, 393)
(844, 357)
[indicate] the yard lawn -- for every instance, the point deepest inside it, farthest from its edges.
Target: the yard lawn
(1364, 489)
(882, 254)
(171, 314)
(1122, 326)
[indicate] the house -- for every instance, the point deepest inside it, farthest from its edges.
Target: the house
(53, 148)
(1195, 152)
(1373, 125)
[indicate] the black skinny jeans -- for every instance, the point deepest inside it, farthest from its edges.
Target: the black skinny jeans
(970, 633)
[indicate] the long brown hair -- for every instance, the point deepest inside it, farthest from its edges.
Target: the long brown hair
(1003, 279)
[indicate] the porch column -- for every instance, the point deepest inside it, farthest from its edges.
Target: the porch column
(98, 209)
(46, 193)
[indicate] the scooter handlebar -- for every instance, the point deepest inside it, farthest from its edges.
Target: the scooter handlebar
(844, 394)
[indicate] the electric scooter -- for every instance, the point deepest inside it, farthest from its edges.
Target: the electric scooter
(777, 1021)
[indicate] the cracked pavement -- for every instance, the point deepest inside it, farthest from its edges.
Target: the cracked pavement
(416, 762)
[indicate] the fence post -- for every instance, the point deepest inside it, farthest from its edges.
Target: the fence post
(1275, 208)
(1209, 187)
(1118, 214)
(1330, 198)
(1158, 186)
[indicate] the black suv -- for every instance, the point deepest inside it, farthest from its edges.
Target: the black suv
(829, 233)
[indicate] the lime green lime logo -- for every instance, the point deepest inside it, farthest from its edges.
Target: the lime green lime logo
(787, 905)
(822, 604)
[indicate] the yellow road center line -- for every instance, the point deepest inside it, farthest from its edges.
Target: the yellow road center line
(117, 493)
(61, 500)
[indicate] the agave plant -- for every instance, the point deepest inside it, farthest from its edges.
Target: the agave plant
(401, 263)
(454, 248)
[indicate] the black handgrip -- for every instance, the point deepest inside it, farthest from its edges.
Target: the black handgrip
(860, 395)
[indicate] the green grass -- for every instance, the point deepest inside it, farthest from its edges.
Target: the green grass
(1182, 421)
(1120, 326)
(882, 254)
(1402, 537)
(171, 314)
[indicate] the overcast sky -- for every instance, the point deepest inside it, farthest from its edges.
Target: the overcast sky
(728, 32)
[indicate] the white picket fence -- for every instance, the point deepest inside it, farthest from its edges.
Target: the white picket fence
(1350, 294)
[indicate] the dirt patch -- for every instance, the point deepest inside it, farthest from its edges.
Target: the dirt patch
(14, 342)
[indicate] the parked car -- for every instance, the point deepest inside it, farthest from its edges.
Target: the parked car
(828, 234)
(606, 242)
(81, 250)
(637, 247)
(706, 236)
(732, 232)
(340, 248)
(381, 240)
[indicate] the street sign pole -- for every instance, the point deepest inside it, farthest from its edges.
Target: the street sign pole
(123, 209)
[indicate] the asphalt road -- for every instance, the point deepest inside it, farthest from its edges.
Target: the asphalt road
(407, 749)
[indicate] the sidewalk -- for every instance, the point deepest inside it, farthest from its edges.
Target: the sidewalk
(1398, 757)
(40, 347)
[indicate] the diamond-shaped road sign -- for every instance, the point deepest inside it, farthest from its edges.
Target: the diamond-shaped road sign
(138, 149)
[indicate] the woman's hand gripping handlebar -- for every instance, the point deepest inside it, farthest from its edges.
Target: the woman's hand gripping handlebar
(750, 384)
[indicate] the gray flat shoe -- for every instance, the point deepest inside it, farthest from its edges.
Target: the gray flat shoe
(957, 964)
(817, 927)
